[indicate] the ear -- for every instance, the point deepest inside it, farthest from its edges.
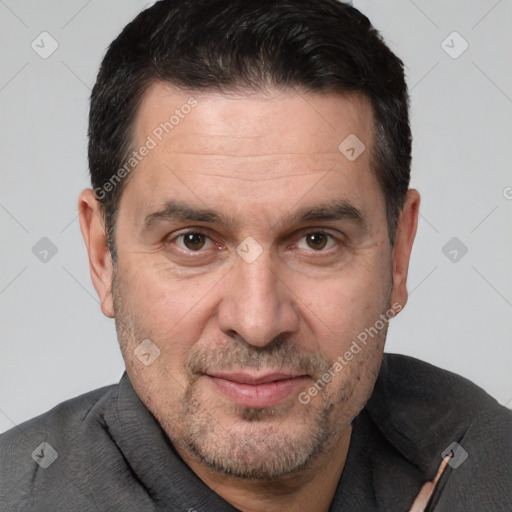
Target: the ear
(405, 233)
(100, 261)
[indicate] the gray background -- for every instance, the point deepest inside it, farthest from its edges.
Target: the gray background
(55, 343)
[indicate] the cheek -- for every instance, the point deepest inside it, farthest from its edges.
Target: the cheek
(338, 309)
(162, 305)
(158, 311)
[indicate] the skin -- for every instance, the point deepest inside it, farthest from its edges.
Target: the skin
(257, 158)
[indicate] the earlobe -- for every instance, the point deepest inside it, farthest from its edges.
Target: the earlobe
(405, 234)
(95, 238)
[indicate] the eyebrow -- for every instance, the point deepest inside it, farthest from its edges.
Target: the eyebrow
(335, 210)
(179, 211)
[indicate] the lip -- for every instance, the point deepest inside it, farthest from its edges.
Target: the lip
(257, 391)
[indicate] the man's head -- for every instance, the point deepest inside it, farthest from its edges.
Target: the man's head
(260, 233)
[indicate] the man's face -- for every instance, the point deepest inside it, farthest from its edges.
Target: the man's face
(272, 258)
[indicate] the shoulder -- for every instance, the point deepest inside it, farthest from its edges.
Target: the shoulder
(65, 433)
(422, 410)
(67, 416)
(423, 386)
(412, 394)
(70, 414)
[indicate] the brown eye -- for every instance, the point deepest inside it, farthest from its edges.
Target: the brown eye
(316, 241)
(193, 241)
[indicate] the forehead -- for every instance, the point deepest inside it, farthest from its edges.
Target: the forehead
(250, 123)
(269, 147)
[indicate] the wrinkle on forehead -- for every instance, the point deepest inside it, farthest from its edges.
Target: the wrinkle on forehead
(251, 167)
(249, 179)
(267, 156)
(284, 123)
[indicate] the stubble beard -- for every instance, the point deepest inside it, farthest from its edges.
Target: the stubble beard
(256, 445)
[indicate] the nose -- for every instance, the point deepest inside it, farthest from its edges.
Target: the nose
(257, 305)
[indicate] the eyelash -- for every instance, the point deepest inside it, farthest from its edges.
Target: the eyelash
(200, 232)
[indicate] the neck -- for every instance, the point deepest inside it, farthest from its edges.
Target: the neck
(312, 490)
